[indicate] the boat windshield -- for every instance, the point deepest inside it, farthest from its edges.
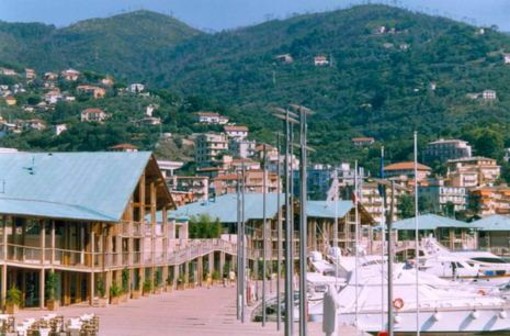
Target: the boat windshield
(489, 260)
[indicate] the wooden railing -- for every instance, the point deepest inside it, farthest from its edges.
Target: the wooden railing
(24, 255)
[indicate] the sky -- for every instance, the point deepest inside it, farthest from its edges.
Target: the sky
(216, 15)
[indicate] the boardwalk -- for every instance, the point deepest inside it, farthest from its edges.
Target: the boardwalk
(193, 312)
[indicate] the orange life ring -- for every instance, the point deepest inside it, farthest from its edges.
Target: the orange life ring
(481, 292)
(398, 303)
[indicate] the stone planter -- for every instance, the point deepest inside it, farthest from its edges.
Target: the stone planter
(135, 294)
(52, 305)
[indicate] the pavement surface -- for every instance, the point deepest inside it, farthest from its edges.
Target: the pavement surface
(192, 312)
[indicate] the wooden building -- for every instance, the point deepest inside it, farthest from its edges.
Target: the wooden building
(90, 218)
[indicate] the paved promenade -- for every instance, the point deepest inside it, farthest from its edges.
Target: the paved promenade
(191, 312)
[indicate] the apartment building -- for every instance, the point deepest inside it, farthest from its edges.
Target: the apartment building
(208, 147)
(473, 172)
(443, 150)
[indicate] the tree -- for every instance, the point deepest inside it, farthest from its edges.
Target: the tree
(204, 226)
(405, 206)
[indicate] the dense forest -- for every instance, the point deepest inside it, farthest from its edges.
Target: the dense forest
(390, 72)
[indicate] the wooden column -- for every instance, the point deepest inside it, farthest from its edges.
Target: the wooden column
(165, 243)
(92, 251)
(152, 195)
(141, 196)
(200, 270)
(52, 243)
(5, 250)
(42, 288)
(42, 245)
(222, 264)
(210, 262)
(130, 218)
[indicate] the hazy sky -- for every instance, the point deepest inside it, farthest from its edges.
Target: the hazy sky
(222, 14)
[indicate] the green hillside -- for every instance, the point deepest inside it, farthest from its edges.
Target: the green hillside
(126, 45)
(390, 72)
(377, 85)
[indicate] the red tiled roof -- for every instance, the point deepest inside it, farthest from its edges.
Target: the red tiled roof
(232, 128)
(362, 139)
(406, 166)
(93, 110)
(124, 146)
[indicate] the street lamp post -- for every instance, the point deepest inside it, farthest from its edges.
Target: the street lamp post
(288, 118)
(292, 118)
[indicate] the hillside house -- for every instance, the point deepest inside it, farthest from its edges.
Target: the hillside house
(90, 90)
(30, 74)
(125, 147)
(34, 124)
(10, 100)
(406, 170)
(489, 95)
(506, 58)
(320, 60)
(50, 76)
(107, 81)
(93, 114)
(211, 118)
(136, 88)
(70, 75)
(285, 59)
(53, 96)
(7, 72)
(363, 141)
(236, 131)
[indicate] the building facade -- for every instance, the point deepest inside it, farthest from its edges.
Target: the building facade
(208, 147)
(443, 150)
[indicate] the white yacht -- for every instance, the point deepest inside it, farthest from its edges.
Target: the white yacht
(443, 306)
(440, 261)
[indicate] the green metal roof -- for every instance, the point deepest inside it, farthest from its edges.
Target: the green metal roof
(493, 223)
(429, 222)
(325, 209)
(92, 186)
(224, 207)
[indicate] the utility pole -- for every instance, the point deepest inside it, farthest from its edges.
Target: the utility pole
(264, 237)
(280, 237)
(389, 221)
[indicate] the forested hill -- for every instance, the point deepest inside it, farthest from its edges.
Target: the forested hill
(390, 72)
(415, 73)
(127, 45)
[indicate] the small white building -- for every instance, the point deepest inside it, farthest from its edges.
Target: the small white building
(93, 114)
(236, 131)
(59, 128)
(489, 95)
(211, 118)
(136, 88)
(506, 58)
(320, 60)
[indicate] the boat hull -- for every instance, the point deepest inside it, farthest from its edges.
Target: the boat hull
(455, 322)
